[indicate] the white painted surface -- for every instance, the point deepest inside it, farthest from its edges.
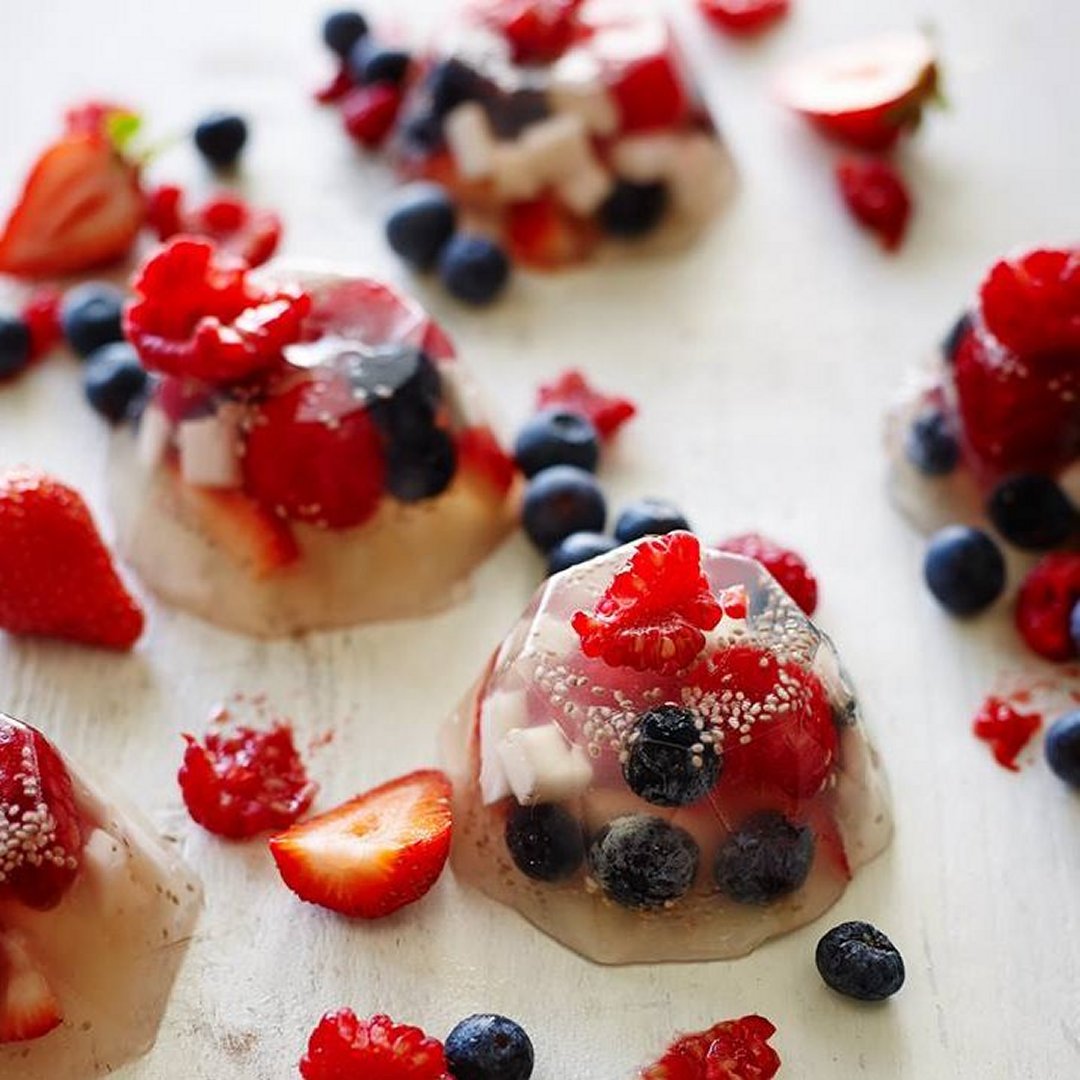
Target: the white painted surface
(762, 360)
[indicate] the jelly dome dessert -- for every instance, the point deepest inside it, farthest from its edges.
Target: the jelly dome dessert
(564, 123)
(311, 453)
(95, 915)
(664, 760)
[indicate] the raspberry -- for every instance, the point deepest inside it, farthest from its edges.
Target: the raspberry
(877, 197)
(199, 316)
(343, 1047)
(744, 16)
(1045, 604)
(42, 315)
(369, 112)
(729, 1050)
(787, 566)
(652, 615)
(1005, 729)
(538, 31)
(571, 391)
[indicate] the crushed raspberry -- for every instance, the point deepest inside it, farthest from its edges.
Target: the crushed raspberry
(198, 315)
(730, 1050)
(1005, 729)
(652, 616)
(343, 1047)
(877, 197)
(336, 87)
(571, 391)
(537, 31)
(42, 315)
(369, 112)
(787, 566)
(1045, 603)
(744, 16)
(479, 452)
(241, 782)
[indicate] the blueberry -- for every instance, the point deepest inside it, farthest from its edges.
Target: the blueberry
(632, 210)
(90, 315)
(963, 569)
(560, 501)
(420, 468)
(401, 386)
(474, 269)
(765, 858)
(648, 517)
(511, 113)
(422, 133)
(489, 1047)
(577, 548)
(1074, 626)
(421, 221)
(557, 437)
(341, 30)
(1063, 746)
(113, 380)
(667, 764)
(451, 84)
(931, 444)
(15, 345)
(951, 344)
(371, 63)
(859, 961)
(220, 137)
(544, 841)
(643, 862)
(1031, 511)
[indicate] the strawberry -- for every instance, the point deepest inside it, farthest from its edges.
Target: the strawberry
(1005, 729)
(649, 93)
(572, 391)
(28, 1006)
(865, 95)
(80, 205)
(877, 197)
(56, 575)
(744, 16)
(369, 112)
(343, 1047)
(787, 566)
(1045, 604)
(479, 452)
(652, 616)
(374, 854)
(730, 1050)
(540, 233)
(537, 31)
(335, 87)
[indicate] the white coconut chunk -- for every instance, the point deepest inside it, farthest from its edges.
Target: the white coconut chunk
(541, 766)
(558, 146)
(501, 713)
(471, 142)
(699, 176)
(645, 159)
(577, 87)
(209, 450)
(583, 191)
(155, 430)
(516, 176)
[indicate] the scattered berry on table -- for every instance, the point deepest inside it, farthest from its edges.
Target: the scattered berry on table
(1005, 729)
(341, 30)
(90, 316)
(666, 763)
(857, 960)
(489, 1047)
(1063, 747)
(1046, 606)
(930, 443)
(643, 862)
(765, 858)
(16, 345)
(474, 269)
(113, 379)
(557, 437)
(220, 138)
(787, 566)
(633, 210)
(878, 198)
(649, 517)
(964, 569)
(420, 224)
(560, 501)
(371, 63)
(572, 391)
(577, 548)
(1032, 512)
(744, 16)
(544, 841)
(343, 1047)
(369, 112)
(959, 330)
(730, 1050)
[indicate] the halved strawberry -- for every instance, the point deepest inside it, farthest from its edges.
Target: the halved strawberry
(571, 390)
(28, 1006)
(373, 854)
(866, 94)
(744, 16)
(542, 234)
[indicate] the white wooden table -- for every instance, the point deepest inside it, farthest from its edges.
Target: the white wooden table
(763, 361)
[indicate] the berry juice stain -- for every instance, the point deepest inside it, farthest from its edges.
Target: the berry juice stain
(1005, 729)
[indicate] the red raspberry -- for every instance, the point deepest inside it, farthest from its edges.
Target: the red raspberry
(314, 454)
(343, 1047)
(729, 1050)
(1044, 606)
(744, 16)
(538, 31)
(42, 315)
(199, 316)
(877, 197)
(787, 566)
(652, 615)
(369, 112)
(1005, 729)
(571, 391)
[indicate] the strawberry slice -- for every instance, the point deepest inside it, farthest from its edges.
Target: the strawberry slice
(80, 205)
(571, 390)
(542, 234)
(744, 16)
(865, 95)
(374, 854)
(343, 1047)
(28, 1006)
(729, 1050)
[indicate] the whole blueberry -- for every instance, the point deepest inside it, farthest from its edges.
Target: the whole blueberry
(667, 763)
(577, 548)
(422, 219)
(931, 444)
(557, 437)
(489, 1047)
(560, 501)
(950, 346)
(474, 269)
(964, 569)
(1031, 511)
(859, 961)
(765, 858)
(1074, 626)
(648, 517)
(113, 380)
(15, 345)
(341, 30)
(643, 862)
(394, 376)
(90, 316)
(420, 468)
(633, 210)
(544, 841)
(371, 63)
(220, 137)
(1063, 747)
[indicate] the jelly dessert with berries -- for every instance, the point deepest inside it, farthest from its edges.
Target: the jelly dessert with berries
(558, 124)
(310, 452)
(664, 760)
(95, 915)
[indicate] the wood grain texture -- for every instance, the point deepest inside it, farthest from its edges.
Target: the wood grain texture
(763, 361)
